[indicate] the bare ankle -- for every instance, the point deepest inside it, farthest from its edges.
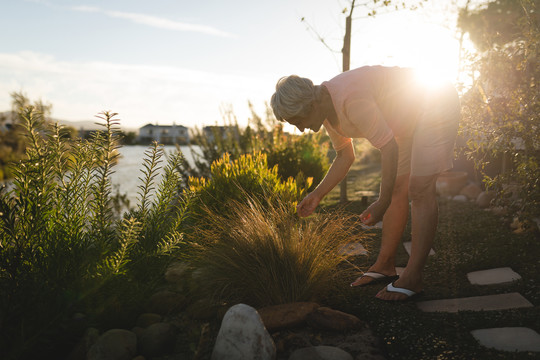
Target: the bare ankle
(384, 268)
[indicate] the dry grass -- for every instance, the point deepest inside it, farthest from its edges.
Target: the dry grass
(264, 254)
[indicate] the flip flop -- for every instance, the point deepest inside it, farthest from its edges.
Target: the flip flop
(409, 293)
(377, 278)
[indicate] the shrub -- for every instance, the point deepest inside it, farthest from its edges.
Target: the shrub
(247, 176)
(263, 255)
(299, 157)
(62, 250)
(501, 110)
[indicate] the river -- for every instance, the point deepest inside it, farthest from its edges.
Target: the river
(128, 170)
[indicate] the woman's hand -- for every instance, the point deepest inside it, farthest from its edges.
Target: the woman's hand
(374, 213)
(308, 205)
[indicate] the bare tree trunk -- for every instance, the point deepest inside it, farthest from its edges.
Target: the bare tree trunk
(346, 51)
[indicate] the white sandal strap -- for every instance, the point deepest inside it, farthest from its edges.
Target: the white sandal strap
(374, 275)
(392, 288)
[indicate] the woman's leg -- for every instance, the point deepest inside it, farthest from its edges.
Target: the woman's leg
(424, 218)
(394, 222)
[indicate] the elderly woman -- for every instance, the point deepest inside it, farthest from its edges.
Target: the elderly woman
(413, 127)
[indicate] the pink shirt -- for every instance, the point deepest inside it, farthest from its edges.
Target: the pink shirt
(374, 102)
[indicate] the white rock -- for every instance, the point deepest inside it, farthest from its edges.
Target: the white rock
(484, 199)
(471, 191)
(242, 336)
(461, 198)
(115, 344)
(320, 353)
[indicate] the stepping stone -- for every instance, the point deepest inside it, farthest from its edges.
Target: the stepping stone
(376, 226)
(509, 338)
(493, 276)
(366, 193)
(408, 245)
(352, 249)
(476, 303)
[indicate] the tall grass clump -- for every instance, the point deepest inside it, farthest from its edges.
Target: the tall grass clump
(63, 250)
(262, 254)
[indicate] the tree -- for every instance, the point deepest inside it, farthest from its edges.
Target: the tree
(502, 109)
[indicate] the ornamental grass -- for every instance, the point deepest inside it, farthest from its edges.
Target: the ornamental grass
(263, 254)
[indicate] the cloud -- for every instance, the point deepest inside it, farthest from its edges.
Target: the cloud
(155, 21)
(139, 93)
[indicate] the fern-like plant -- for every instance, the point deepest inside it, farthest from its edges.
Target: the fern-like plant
(61, 248)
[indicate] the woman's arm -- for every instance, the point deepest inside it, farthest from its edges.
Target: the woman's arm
(389, 161)
(337, 172)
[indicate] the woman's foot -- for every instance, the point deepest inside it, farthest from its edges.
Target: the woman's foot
(372, 276)
(400, 290)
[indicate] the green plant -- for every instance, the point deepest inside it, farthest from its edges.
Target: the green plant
(299, 157)
(62, 250)
(248, 175)
(263, 254)
(501, 111)
(12, 140)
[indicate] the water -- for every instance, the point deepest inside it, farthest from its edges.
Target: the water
(128, 170)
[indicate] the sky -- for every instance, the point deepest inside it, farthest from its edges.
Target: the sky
(189, 62)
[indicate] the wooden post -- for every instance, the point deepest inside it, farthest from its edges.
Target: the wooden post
(346, 51)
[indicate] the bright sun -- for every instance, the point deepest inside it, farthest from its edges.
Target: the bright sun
(432, 77)
(437, 62)
(429, 48)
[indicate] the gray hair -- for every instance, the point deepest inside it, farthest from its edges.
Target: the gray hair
(293, 97)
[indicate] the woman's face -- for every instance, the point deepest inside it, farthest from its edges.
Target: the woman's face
(313, 120)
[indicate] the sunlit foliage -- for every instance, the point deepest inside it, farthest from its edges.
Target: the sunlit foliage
(502, 110)
(63, 250)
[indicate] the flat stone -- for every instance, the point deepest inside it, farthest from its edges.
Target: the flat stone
(476, 303)
(352, 249)
(509, 338)
(460, 198)
(408, 245)
(329, 319)
(493, 276)
(378, 225)
(366, 193)
(286, 316)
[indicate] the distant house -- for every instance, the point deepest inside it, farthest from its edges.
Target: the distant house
(164, 134)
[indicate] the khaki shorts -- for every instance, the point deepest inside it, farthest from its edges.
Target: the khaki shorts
(430, 150)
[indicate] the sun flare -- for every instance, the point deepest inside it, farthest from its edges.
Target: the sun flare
(432, 77)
